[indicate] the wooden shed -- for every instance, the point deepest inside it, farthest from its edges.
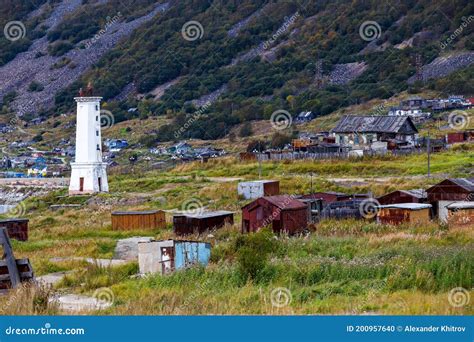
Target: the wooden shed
(258, 188)
(404, 196)
(461, 214)
(448, 191)
(184, 224)
(17, 228)
(284, 213)
(131, 220)
(399, 213)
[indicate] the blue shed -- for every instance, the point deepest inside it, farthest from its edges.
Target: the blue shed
(167, 256)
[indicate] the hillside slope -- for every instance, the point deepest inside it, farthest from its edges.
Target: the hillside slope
(246, 59)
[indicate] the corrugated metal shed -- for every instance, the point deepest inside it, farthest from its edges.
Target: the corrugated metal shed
(258, 188)
(404, 196)
(190, 223)
(375, 124)
(283, 213)
(17, 228)
(166, 256)
(395, 214)
(461, 214)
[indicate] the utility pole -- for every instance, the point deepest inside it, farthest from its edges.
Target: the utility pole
(428, 147)
(311, 182)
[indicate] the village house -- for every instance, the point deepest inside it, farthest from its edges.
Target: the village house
(282, 213)
(305, 116)
(448, 191)
(200, 222)
(167, 256)
(404, 196)
(364, 132)
(395, 214)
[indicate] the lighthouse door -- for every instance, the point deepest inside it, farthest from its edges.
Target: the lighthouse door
(81, 184)
(100, 183)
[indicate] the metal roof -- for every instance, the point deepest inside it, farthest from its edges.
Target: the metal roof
(264, 181)
(285, 202)
(461, 205)
(372, 124)
(466, 183)
(205, 214)
(418, 193)
(147, 212)
(410, 206)
(14, 220)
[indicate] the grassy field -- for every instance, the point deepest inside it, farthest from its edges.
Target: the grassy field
(341, 267)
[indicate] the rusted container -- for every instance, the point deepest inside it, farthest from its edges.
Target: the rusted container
(258, 188)
(283, 213)
(461, 214)
(131, 220)
(395, 214)
(17, 228)
(184, 224)
(455, 137)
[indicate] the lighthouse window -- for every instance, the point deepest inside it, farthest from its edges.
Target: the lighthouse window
(98, 147)
(96, 107)
(96, 118)
(97, 133)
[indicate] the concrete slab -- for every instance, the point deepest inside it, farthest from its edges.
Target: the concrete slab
(127, 249)
(100, 262)
(51, 279)
(78, 303)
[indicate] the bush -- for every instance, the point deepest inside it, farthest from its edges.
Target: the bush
(253, 251)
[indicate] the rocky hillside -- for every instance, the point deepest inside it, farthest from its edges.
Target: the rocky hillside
(221, 63)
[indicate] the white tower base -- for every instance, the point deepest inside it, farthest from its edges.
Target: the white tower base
(88, 178)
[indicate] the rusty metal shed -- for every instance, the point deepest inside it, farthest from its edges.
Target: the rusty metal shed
(461, 214)
(448, 191)
(131, 220)
(395, 214)
(284, 213)
(190, 223)
(17, 228)
(404, 196)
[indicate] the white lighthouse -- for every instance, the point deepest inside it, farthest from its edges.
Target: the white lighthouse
(88, 172)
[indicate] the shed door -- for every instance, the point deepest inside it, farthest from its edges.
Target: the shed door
(167, 259)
